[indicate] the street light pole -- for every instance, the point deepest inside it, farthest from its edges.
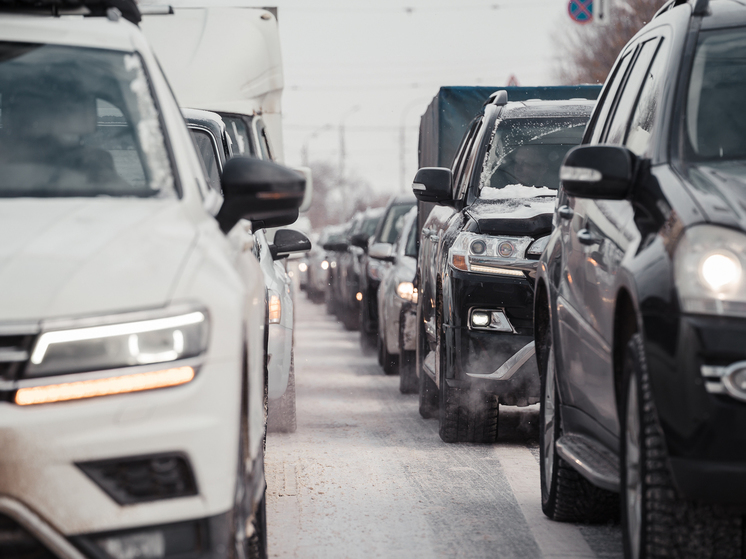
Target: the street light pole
(311, 136)
(342, 156)
(403, 142)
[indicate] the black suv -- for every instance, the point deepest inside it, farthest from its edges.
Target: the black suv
(640, 307)
(479, 250)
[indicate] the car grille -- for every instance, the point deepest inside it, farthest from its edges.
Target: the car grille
(17, 543)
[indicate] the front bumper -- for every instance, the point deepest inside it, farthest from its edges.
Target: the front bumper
(42, 444)
(482, 352)
(704, 426)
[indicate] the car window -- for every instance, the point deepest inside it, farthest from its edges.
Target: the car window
(369, 225)
(239, 134)
(90, 130)
(411, 248)
(715, 119)
(528, 152)
(393, 223)
(206, 149)
(470, 160)
(628, 96)
(264, 145)
(458, 161)
(602, 112)
(643, 119)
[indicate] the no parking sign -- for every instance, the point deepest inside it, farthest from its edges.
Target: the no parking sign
(581, 11)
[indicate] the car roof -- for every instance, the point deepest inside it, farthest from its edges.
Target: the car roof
(548, 109)
(71, 30)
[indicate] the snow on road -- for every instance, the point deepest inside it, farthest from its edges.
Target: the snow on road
(366, 476)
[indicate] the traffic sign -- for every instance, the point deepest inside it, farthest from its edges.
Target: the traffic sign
(581, 11)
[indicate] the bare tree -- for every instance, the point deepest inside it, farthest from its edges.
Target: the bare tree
(587, 52)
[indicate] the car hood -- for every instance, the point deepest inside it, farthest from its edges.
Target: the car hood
(720, 190)
(73, 257)
(514, 210)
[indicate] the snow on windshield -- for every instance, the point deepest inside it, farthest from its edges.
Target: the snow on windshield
(528, 152)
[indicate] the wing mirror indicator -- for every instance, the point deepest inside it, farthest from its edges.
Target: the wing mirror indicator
(598, 172)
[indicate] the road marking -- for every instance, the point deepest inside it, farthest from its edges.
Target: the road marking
(556, 540)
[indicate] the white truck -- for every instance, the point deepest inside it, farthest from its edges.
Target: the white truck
(226, 58)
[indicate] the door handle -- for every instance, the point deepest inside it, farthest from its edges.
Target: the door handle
(587, 237)
(565, 212)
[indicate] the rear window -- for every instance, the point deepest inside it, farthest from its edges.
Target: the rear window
(79, 122)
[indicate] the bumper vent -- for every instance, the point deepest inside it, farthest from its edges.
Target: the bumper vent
(143, 478)
(17, 543)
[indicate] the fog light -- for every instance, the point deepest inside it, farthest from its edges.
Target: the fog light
(325, 265)
(738, 379)
(142, 545)
(359, 296)
(480, 319)
(500, 322)
(333, 264)
(302, 267)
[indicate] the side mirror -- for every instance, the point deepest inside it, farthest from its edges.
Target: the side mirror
(287, 241)
(337, 246)
(598, 172)
(433, 184)
(360, 240)
(308, 195)
(261, 191)
(382, 251)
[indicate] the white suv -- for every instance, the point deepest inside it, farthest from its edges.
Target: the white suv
(132, 312)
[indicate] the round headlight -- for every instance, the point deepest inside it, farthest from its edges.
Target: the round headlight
(720, 270)
(478, 247)
(506, 249)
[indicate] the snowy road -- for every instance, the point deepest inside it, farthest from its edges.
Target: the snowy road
(366, 476)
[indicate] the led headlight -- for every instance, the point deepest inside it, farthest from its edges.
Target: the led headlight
(118, 341)
(708, 267)
(488, 254)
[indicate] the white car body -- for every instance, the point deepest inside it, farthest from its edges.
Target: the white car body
(81, 259)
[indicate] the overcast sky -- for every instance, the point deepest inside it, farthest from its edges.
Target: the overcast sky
(376, 64)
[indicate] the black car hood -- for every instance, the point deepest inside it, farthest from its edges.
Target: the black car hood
(720, 190)
(514, 210)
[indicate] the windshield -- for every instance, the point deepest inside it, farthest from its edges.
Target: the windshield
(528, 152)
(369, 225)
(393, 223)
(78, 122)
(715, 120)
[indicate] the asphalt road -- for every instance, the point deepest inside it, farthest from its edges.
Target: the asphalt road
(366, 476)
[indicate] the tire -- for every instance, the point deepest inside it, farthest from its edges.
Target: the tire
(281, 413)
(407, 376)
(657, 521)
(428, 391)
(256, 545)
(566, 496)
(368, 342)
(390, 361)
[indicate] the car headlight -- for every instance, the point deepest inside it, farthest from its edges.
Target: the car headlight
(324, 265)
(405, 290)
(488, 254)
(376, 269)
(302, 267)
(118, 341)
(709, 265)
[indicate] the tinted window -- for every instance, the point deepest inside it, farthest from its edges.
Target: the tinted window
(627, 99)
(393, 223)
(239, 135)
(716, 121)
(643, 119)
(411, 248)
(608, 101)
(206, 150)
(88, 128)
(529, 152)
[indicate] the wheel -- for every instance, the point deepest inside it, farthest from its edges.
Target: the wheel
(566, 496)
(657, 521)
(428, 391)
(390, 362)
(256, 545)
(407, 375)
(379, 349)
(368, 342)
(350, 320)
(281, 415)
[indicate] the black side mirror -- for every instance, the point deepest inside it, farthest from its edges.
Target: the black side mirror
(287, 241)
(261, 191)
(360, 240)
(433, 184)
(337, 246)
(598, 172)
(382, 251)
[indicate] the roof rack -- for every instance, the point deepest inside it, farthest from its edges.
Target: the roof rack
(498, 98)
(90, 8)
